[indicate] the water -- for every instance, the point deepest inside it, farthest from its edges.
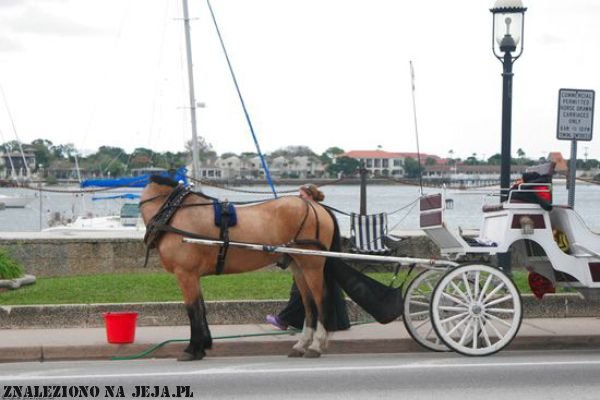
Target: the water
(466, 213)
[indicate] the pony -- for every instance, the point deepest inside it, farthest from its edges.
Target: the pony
(171, 211)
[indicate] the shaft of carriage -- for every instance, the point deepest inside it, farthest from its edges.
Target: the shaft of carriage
(282, 249)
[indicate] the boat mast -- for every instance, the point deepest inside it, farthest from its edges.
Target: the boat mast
(188, 50)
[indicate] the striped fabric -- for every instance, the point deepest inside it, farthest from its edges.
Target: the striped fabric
(368, 233)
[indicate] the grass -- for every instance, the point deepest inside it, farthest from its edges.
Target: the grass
(9, 268)
(160, 286)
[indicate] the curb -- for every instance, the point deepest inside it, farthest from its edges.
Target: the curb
(227, 348)
(239, 312)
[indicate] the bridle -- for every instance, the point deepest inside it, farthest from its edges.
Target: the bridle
(158, 196)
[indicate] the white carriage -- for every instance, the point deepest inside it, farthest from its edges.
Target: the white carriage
(475, 309)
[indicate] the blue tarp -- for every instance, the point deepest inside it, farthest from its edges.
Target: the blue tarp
(134, 181)
(130, 196)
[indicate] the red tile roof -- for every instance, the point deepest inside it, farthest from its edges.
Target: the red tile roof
(384, 154)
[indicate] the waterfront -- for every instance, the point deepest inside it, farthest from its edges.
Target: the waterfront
(389, 198)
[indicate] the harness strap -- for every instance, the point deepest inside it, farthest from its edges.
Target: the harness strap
(224, 237)
(164, 215)
(310, 242)
(318, 223)
(162, 228)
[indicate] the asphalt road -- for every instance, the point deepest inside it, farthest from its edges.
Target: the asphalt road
(508, 375)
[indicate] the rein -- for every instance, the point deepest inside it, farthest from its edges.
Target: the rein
(158, 196)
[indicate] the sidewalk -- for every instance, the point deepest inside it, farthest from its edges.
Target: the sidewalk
(90, 343)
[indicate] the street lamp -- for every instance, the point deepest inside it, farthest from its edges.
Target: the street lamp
(507, 45)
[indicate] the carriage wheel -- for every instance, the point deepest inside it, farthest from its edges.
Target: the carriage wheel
(476, 310)
(417, 300)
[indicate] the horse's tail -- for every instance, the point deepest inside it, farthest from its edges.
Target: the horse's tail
(383, 302)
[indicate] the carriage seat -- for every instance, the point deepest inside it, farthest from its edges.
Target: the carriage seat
(535, 186)
(368, 233)
(582, 241)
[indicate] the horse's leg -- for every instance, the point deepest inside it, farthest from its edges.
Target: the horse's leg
(200, 338)
(306, 336)
(313, 276)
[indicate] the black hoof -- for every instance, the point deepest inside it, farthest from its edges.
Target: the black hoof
(312, 354)
(295, 353)
(185, 356)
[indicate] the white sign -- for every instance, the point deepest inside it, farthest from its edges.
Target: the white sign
(575, 114)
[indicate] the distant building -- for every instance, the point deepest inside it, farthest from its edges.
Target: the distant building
(64, 169)
(16, 164)
(385, 163)
(147, 171)
(236, 167)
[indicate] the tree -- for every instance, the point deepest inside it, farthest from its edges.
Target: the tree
(472, 160)
(113, 152)
(430, 161)
(64, 151)
(345, 165)
(329, 154)
(141, 157)
(495, 159)
(293, 151)
(9, 147)
(412, 169)
(42, 151)
(205, 149)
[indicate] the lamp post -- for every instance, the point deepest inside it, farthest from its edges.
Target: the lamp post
(507, 45)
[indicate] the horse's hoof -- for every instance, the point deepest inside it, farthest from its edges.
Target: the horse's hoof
(312, 354)
(185, 356)
(295, 353)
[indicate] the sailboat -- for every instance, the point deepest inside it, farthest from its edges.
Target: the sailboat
(13, 200)
(129, 218)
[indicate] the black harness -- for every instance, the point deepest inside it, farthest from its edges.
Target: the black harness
(224, 217)
(159, 223)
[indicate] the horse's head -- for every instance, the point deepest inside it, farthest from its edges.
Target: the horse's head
(154, 195)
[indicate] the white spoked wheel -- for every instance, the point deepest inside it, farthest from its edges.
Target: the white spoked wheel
(417, 302)
(476, 310)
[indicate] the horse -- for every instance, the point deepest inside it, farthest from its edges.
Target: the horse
(171, 211)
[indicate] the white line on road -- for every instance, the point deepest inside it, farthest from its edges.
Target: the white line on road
(279, 370)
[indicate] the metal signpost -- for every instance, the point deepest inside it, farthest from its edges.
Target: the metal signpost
(575, 122)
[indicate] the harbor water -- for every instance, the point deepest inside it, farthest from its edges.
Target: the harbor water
(397, 200)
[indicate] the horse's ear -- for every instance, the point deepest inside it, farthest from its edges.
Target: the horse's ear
(163, 180)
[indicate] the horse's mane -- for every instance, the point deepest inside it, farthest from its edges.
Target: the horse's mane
(163, 180)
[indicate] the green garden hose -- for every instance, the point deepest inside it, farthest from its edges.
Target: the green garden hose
(291, 331)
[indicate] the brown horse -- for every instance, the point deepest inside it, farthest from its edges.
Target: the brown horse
(283, 221)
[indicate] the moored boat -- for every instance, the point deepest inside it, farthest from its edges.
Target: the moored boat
(15, 201)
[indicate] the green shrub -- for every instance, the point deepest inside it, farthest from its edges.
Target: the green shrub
(9, 268)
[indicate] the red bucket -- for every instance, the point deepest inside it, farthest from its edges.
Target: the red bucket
(120, 326)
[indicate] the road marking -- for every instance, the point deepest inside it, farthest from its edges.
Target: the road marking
(279, 370)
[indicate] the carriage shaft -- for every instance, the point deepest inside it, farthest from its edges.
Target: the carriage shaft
(323, 253)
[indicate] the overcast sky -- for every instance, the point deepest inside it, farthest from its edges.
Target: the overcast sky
(319, 73)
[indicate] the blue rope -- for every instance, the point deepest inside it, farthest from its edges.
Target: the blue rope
(237, 88)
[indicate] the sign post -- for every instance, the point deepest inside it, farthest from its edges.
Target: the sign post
(575, 122)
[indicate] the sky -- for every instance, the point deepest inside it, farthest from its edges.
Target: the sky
(317, 73)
